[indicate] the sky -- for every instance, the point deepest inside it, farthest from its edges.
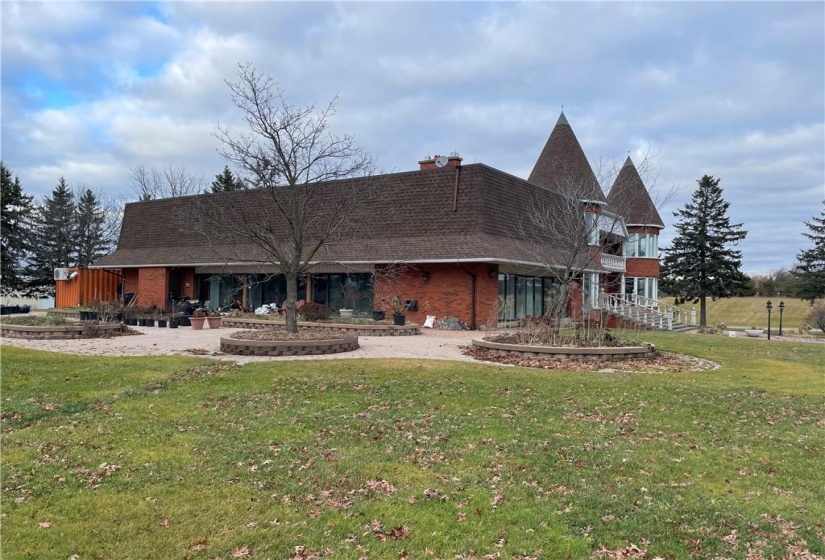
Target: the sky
(90, 90)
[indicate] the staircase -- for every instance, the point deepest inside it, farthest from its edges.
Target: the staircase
(648, 313)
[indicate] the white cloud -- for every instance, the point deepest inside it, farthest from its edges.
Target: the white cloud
(730, 89)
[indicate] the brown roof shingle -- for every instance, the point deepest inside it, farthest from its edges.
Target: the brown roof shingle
(417, 216)
(630, 199)
(562, 166)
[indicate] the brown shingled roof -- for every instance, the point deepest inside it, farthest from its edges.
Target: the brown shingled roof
(416, 216)
(629, 198)
(563, 166)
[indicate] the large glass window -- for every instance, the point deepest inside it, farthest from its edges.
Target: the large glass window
(642, 245)
(349, 291)
(525, 296)
(642, 287)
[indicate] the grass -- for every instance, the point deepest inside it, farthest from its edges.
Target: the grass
(179, 457)
(751, 312)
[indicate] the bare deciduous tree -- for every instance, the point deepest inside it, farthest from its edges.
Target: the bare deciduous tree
(291, 155)
(168, 182)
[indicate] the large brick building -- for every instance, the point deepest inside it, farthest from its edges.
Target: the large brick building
(459, 240)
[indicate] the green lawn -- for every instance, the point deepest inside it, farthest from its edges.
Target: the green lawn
(187, 458)
(751, 311)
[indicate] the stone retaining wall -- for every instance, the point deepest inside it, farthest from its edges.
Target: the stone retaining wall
(60, 333)
(564, 353)
(355, 330)
(242, 347)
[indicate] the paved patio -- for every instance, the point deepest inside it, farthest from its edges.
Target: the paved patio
(184, 341)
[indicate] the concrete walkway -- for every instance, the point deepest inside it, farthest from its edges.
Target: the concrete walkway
(184, 341)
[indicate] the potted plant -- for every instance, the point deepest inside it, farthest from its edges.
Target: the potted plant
(214, 320)
(753, 332)
(349, 298)
(197, 319)
(399, 311)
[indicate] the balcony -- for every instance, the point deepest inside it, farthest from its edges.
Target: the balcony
(614, 263)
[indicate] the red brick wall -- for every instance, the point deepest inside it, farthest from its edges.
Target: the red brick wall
(187, 287)
(130, 280)
(645, 268)
(446, 293)
(153, 287)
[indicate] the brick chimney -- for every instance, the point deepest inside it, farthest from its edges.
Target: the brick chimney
(437, 161)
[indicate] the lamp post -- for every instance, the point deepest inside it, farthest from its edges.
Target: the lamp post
(781, 309)
(769, 306)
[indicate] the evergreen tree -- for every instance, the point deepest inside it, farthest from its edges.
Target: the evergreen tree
(226, 181)
(15, 209)
(53, 229)
(810, 270)
(701, 263)
(90, 236)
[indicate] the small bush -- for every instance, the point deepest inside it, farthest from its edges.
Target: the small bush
(315, 312)
(816, 316)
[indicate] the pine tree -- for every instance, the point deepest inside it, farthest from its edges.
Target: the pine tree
(226, 181)
(90, 236)
(701, 262)
(52, 243)
(810, 268)
(15, 209)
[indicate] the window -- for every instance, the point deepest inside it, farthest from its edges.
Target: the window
(522, 296)
(642, 287)
(642, 245)
(591, 224)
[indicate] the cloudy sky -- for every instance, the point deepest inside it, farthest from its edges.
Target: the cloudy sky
(734, 90)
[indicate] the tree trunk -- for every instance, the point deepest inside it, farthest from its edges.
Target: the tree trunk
(291, 300)
(703, 318)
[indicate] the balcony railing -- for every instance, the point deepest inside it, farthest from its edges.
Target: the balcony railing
(613, 262)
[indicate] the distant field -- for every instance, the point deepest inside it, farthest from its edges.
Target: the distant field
(751, 312)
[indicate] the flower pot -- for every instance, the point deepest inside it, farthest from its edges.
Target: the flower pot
(150, 322)
(753, 333)
(131, 321)
(214, 322)
(378, 315)
(345, 313)
(84, 315)
(173, 323)
(399, 320)
(162, 323)
(197, 323)
(184, 321)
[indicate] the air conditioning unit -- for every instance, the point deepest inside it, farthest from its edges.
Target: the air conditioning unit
(61, 274)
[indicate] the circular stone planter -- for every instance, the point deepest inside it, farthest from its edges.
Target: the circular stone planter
(754, 333)
(602, 353)
(61, 333)
(241, 347)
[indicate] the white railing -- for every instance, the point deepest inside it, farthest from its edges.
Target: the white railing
(647, 310)
(613, 262)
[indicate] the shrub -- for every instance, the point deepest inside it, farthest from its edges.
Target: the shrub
(311, 311)
(816, 316)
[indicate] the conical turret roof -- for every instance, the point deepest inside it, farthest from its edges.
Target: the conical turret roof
(563, 167)
(629, 198)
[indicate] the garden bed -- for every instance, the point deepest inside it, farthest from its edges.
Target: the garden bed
(278, 342)
(54, 332)
(353, 329)
(596, 353)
